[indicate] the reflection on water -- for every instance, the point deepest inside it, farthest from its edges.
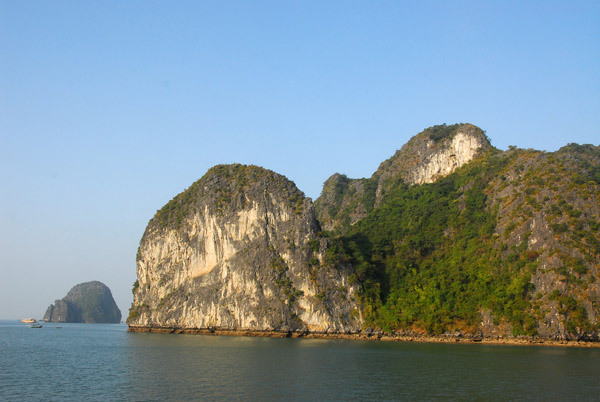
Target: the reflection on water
(103, 362)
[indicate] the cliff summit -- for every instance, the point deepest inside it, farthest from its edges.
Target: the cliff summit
(434, 153)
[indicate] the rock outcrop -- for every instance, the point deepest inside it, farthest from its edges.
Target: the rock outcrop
(89, 302)
(449, 237)
(240, 250)
(434, 153)
(426, 157)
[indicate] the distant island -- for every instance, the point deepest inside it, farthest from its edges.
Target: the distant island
(450, 238)
(89, 302)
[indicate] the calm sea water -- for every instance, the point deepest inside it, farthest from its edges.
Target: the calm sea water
(103, 362)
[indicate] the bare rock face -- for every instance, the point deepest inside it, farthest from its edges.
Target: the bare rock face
(426, 157)
(240, 250)
(62, 311)
(434, 153)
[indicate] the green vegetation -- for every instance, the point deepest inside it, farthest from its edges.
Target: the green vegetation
(441, 132)
(226, 187)
(427, 257)
(133, 314)
(283, 281)
(349, 196)
(432, 257)
(583, 153)
(136, 311)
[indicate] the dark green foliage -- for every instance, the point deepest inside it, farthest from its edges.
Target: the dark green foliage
(368, 199)
(560, 227)
(576, 317)
(335, 254)
(347, 196)
(587, 156)
(314, 245)
(339, 189)
(283, 281)
(427, 257)
(579, 267)
(441, 132)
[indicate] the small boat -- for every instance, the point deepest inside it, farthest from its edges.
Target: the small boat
(36, 325)
(28, 320)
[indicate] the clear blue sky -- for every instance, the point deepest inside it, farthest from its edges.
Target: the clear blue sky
(108, 109)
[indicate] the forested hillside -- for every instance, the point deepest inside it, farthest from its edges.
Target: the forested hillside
(506, 244)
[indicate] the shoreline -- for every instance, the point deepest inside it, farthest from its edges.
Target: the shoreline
(373, 336)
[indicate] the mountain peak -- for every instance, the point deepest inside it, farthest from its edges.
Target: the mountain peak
(435, 152)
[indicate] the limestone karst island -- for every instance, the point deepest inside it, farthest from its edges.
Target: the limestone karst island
(450, 238)
(88, 302)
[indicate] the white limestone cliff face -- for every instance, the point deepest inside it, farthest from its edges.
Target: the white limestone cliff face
(425, 159)
(256, 265)
(439, 161)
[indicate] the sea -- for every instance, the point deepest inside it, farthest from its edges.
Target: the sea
(103, 362)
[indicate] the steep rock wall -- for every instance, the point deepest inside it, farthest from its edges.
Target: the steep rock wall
(436, 161)
(240, 250)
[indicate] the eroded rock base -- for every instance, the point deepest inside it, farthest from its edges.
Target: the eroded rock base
(368, 335)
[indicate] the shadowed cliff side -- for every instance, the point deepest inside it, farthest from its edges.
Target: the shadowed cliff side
(89, 302)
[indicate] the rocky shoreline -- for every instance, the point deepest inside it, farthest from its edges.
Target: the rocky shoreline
(372, 336)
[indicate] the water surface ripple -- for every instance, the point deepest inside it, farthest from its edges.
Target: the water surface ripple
(103, 362)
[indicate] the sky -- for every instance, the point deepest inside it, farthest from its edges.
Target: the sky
(109, 109)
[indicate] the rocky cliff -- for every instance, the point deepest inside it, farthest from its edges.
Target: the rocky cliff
(548, 210)
(429, 155)
(450, 237)
(89, 302)
(507, 245)
(240, 250)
